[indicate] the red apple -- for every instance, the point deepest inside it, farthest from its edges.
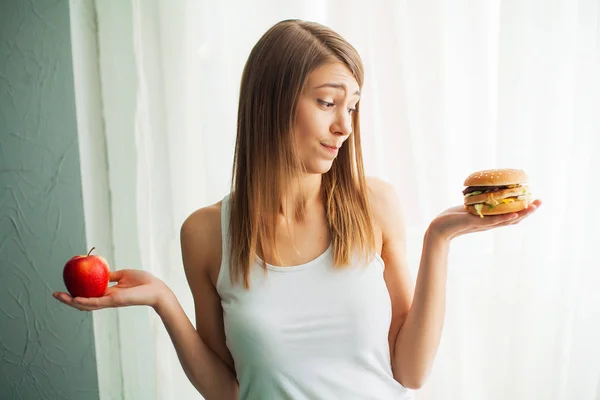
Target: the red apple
(86, 276)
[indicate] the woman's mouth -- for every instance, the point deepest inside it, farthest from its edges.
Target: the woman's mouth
(331, 149)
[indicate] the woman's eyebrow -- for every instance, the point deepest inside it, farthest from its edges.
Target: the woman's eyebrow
(336, 86)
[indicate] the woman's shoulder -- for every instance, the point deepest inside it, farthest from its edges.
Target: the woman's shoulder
(384, 202)
(382, 195)
(200, 237)
(205, 221)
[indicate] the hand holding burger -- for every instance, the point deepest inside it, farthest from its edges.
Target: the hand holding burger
(503, 194)
(497, 191)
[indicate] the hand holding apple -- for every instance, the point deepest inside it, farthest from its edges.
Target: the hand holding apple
(134, 288)
(86, 276)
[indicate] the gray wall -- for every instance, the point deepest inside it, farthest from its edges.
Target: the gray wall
(46, 349)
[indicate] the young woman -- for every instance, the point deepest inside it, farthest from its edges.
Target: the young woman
(299, 275)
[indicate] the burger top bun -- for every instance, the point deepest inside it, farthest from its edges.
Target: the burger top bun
(497, 177)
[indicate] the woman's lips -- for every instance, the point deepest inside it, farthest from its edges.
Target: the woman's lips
(331, 149)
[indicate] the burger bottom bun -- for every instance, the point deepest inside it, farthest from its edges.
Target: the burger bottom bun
(500, 208)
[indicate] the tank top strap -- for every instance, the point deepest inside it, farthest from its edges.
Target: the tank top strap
(225, 218)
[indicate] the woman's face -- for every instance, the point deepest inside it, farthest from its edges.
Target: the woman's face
(324, 116)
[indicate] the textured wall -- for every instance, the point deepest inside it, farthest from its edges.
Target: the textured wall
(46, 349)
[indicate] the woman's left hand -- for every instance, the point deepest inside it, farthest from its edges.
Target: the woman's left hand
(457, 221)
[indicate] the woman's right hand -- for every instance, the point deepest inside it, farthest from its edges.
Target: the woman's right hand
(134, 288)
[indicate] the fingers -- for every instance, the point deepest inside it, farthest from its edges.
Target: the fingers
(116, 276)
(518, 217)
(528, 211)
(80, 303)
(497, 221)
(68, 300)
(491, 221)
(515, 218)
(94, 302)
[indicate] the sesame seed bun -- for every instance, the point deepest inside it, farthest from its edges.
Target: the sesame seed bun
(496, 191)
(497, 177)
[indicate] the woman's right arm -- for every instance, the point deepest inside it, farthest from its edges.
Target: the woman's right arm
(201, 252)
(202, 351)
(203, 367)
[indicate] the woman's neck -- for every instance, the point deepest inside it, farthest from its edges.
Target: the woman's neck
(306, 191)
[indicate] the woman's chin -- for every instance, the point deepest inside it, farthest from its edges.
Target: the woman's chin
(321, 168)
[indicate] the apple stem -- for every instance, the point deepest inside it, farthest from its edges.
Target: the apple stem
(91, 251)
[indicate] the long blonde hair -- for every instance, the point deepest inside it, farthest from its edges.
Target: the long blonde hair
(265, 159)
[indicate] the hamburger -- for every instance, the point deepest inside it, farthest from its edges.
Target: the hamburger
(496, 191)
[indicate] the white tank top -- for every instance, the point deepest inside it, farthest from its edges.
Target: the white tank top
(309, 331)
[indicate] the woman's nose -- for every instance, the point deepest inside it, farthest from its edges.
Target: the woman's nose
(343, 124)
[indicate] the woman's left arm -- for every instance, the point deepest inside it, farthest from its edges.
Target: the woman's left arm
(418, 339)
(418, 319)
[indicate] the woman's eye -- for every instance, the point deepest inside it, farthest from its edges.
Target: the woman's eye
(326, 103)
(329, 104)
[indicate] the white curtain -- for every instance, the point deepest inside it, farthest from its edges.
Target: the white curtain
(451, 87)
